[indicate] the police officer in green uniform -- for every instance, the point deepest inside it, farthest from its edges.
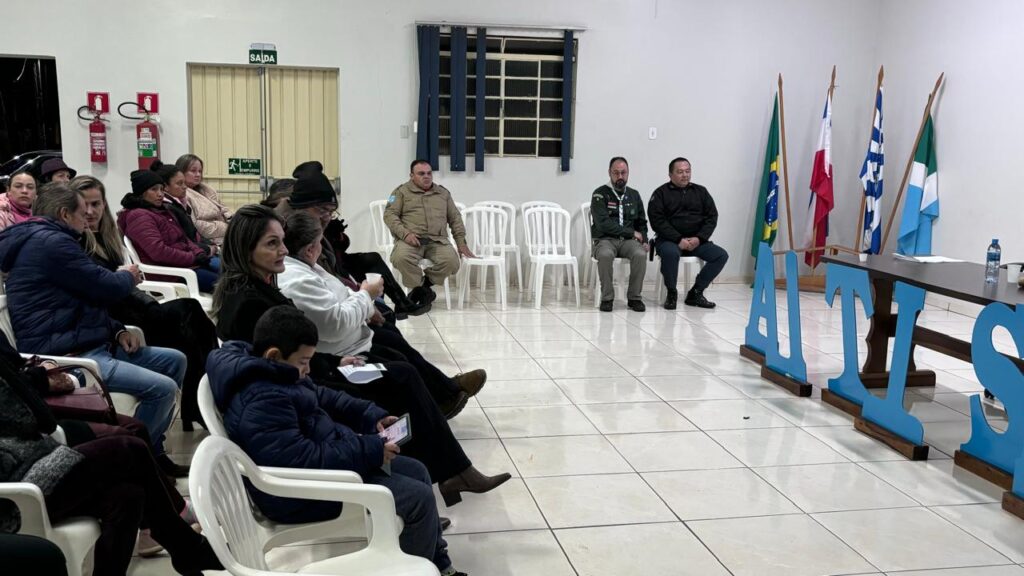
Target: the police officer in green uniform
(619, 230)
(419, 214)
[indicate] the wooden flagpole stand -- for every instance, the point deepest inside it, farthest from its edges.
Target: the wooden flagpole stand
(910, 161)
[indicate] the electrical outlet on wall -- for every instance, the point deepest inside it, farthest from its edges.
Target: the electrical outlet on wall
(652, 133)
(403, 131)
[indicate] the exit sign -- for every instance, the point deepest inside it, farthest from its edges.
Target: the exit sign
(262, 54)
(243, 166)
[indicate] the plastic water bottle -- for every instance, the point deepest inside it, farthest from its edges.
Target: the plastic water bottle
(992, 262)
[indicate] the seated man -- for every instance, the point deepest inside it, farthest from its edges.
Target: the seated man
(281, 418)
(313, 193)
(683, 216)
(619, 230)
(419, 213)
(58, 298)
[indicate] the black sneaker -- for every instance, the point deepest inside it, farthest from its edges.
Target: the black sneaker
(696, 298)
(636, 305)
(670, 299)
(171, 468)
(606, 306)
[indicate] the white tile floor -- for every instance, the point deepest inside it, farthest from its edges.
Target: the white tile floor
(643, 444)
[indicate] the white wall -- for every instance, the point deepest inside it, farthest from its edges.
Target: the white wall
(702, 73)
(978, 116)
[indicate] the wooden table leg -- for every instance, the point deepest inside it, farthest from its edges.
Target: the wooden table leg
(882, 328)
(875, 373)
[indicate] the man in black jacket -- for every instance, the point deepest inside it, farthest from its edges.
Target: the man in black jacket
(683, 215)
(619, 230)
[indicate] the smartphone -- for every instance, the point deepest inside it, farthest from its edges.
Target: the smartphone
(398, 433)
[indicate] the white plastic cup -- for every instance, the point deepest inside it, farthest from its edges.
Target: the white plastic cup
(373, 277)
(1012, 273)
(863, 257)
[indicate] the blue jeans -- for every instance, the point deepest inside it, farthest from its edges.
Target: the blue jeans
(207, 275)
(151, 374)
(414, 501)
(713, 255)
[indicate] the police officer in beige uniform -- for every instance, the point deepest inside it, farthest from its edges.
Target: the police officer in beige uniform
(418, 214)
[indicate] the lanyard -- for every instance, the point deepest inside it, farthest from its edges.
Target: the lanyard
(619, 197)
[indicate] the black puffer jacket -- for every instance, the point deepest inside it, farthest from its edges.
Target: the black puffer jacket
(676, 213)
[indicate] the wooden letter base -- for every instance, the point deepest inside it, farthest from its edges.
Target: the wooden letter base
(914, 378)
(908, 449)
(983, 469)
(795, 387)
(841, 403)
(1013, 504)
(751, 354)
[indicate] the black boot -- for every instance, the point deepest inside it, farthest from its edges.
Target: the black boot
(671, 298)
(696, 298)
(405, 306)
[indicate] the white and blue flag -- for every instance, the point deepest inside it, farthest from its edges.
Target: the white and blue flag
(871, 181)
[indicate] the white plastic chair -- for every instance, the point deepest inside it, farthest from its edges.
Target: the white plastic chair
(74, 536)
(512, 245)
(191, 285)
(486, 234)
(385, 241)
(547, 244)
(222, 506)
(351, 524)
(537, 204)
(591, 261)
(123, 403)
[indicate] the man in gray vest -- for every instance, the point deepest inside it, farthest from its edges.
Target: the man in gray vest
(619, 230)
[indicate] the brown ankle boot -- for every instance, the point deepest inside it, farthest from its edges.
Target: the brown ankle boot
(469, 480)
(471, 382)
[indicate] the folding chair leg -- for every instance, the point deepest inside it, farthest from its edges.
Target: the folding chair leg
(519, 270)
(538, 284)
(447, 295)
(576, 281)
(463, 284)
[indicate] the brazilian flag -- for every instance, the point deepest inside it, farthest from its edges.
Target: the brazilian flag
(766, 221)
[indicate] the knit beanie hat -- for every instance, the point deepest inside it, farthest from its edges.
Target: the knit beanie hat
(312, 190)
(308, 169)
(143, 180)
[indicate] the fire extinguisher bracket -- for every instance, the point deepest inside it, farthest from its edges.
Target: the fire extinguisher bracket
(147, 135)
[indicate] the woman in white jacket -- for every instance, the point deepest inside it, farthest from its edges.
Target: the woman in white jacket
(341, 316)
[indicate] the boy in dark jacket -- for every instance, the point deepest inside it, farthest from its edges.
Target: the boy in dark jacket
(279, 417)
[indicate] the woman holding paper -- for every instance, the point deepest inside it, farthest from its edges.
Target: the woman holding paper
(254, 254)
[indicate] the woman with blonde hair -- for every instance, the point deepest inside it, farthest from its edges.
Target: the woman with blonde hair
(180, 324)
(208, 212)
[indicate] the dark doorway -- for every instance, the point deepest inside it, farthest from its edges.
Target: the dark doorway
(29, 110)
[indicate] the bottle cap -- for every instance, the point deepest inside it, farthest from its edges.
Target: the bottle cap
(995, 240)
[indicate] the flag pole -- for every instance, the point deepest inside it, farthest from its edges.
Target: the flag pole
(910, 160)
(859, 235)
(814, 229)
(785, 165)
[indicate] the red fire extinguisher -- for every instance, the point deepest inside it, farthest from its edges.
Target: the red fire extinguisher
(147, 136)
(97, 135)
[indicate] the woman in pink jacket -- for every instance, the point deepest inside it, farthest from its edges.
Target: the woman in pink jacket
(16, 203)
(156, 234)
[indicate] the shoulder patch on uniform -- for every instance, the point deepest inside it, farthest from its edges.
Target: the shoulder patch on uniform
(598, 196)
(391, 199)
